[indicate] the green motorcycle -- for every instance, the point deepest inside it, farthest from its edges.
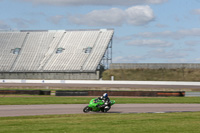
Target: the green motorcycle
(97, 105)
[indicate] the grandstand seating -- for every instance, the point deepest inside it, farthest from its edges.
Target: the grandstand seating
(79, 50)
(8, 42)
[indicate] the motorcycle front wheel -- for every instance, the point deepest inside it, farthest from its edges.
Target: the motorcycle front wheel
(86, 109)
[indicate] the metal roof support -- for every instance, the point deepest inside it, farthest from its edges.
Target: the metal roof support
(107, 58)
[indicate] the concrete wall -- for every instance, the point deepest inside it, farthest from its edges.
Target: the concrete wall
(153, 65)
(192, 94)
(50, 76)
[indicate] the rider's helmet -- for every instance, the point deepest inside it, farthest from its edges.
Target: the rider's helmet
(105, 95)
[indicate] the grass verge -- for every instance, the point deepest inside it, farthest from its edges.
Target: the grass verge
(85, 100)
(181, 74)
(117, 123)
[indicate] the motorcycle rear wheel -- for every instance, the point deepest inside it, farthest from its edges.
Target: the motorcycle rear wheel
(106, 109)
(86, 109)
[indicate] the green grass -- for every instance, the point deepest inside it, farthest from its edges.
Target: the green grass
(106, 123)
(153, 74)
(85, 100)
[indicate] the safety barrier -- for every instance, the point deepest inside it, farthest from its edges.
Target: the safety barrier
(71, 93)
(27, 92)
(123, 93)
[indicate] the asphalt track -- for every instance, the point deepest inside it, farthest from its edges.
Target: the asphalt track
(31, 110)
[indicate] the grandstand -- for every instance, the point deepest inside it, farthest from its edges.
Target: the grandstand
(60, 54)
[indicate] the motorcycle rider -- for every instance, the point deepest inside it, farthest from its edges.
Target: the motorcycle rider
(105, 99)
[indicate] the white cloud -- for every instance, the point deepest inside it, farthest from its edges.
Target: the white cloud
(193, 60)
(161, 25)
(197, 60)
(95, 2)
(129, 59)
(179, 60)
(171, 56)
(163, 54)
(4, 26)
(139, 15)
(193, 42)
(136, 15)
(195, 32)
(119, 39)
(196, 11)
(112, 16)
(183, 60)
(150, 43)
(55, 19)
(23, 23)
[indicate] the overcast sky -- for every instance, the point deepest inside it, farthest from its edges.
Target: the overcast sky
(146, 31)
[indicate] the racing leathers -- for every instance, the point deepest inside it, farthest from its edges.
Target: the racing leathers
(106, 102)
